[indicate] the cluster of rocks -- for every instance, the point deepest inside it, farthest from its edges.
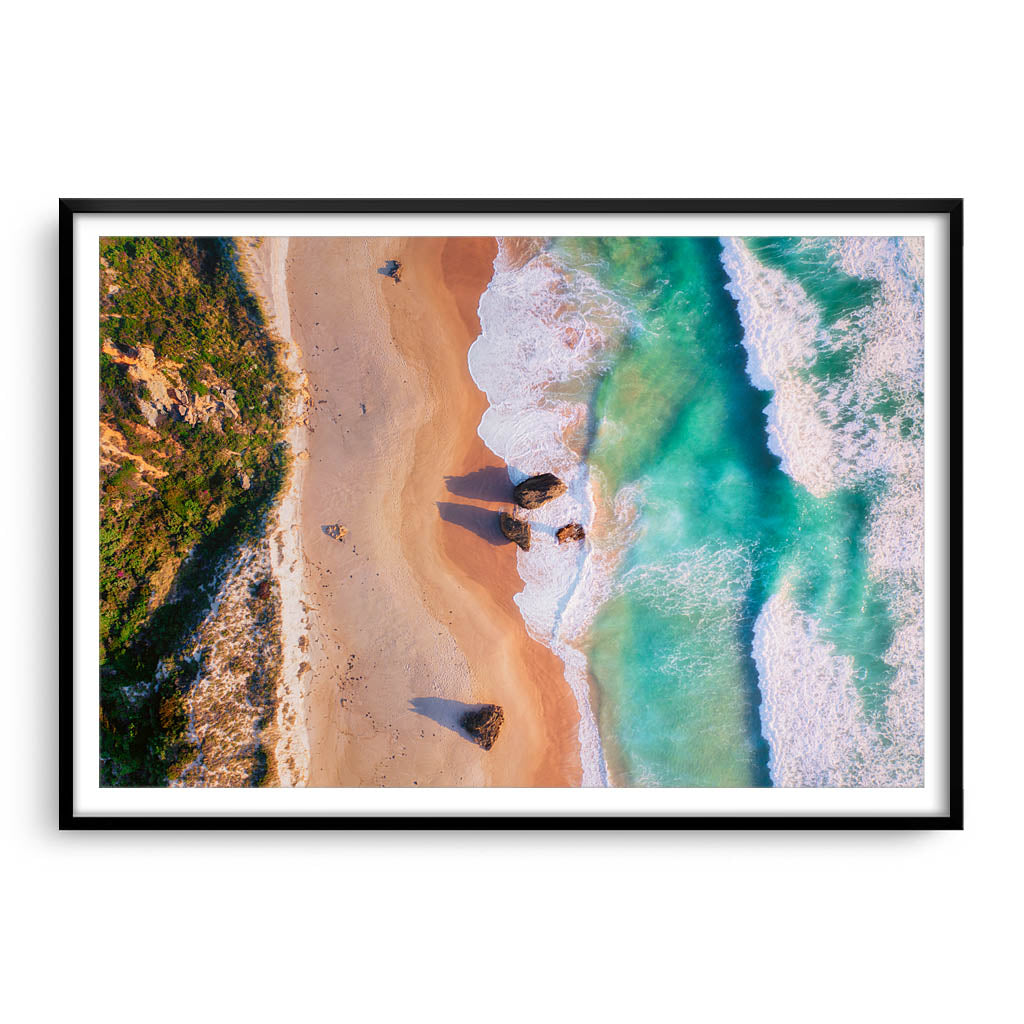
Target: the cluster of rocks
(532, 493)
(484, 723)
(162, 395)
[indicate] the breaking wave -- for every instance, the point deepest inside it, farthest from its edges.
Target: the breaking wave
(860, 428)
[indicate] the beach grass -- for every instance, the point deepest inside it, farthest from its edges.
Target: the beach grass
(163, 538)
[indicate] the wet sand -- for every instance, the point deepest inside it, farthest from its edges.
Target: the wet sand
(411, 617)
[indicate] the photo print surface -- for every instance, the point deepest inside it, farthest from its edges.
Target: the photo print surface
(512, 512)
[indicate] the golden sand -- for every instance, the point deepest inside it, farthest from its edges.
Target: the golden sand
(411, 613)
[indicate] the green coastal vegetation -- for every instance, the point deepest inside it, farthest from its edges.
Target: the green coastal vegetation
(197, 488)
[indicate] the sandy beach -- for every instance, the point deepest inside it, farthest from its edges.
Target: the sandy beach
(263, 262)
(410, 618)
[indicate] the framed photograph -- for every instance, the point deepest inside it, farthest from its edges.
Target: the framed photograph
(511, 513)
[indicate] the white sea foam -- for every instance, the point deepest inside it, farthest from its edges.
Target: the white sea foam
(811, 712)
(782, 333)
(546, 331)
(865, 426)
(812, 715)
(893, 359)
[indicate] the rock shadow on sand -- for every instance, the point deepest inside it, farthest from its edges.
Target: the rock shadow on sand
(488, 484)
(481, 521)
(448, 713)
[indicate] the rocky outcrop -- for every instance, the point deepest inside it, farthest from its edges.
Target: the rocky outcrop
(571, 531)
(515, 529)
(536, 490)
(335, 531)
(161, 394)
(484, 724)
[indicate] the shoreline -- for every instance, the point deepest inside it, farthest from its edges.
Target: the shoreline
(411, 617)
(476, 488)
(532, 362)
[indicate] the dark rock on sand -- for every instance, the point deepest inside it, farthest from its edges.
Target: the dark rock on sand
(515, 529)
(535, 490)
(571, 531)
(392, 269)
(483, 724)
(335, 531)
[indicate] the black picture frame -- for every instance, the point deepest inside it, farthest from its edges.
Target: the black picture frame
(953, 209)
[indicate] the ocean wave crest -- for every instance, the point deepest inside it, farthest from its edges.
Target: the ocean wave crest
(862, 427)
(812, 714)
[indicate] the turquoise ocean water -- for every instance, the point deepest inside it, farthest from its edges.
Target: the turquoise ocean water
(740, 422)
